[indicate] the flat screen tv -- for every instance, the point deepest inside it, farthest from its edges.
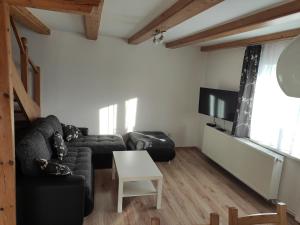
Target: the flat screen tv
(218, 103)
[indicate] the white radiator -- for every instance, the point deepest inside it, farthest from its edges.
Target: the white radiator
(257, 167)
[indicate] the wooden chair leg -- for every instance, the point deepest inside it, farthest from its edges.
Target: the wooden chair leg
(155, 221)
(214, 219)
(281, 209)
(233, 216)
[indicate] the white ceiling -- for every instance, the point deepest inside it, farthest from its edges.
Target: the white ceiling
(122, 18)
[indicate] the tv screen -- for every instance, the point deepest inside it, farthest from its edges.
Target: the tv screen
(218, 103)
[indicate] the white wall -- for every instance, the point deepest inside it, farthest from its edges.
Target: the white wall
(224, 67)
(223, 71)
(79, 77)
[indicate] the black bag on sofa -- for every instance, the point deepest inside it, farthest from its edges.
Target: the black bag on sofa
(159, 146)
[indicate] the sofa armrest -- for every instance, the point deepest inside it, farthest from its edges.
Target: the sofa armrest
(50, 200)
(84, 131)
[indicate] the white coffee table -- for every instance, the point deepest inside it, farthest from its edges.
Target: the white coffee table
(138, 176)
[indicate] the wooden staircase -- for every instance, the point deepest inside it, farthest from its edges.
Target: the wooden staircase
(16, 105)
(16, 102)
(26, 108)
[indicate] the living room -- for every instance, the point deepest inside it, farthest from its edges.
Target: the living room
(135, 84)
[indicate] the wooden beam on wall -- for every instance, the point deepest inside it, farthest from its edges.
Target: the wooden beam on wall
(253, 41)
(72, 6)
(176, 14)
(7, 142)
(92, 22)
(17, 35)
(27, 19)
(240, 25)
(24, 63)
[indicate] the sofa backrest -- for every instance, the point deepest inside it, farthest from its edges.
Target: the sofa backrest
(37, 144)
(33, 146)
(47, 130)
(55, 123)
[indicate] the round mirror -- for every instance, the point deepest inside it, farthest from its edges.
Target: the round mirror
(288, 69)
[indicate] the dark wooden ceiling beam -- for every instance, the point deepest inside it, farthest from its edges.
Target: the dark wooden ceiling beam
(176, 14)
(253, 41)
(92, 22)
(27, 19)
(72, 6)
(240, 25)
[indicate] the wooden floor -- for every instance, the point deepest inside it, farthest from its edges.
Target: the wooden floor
(193, 188)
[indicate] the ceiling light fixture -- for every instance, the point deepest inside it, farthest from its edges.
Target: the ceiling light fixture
(158, 36)
(288, 69)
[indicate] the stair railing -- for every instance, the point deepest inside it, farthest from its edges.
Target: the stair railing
(25, 61)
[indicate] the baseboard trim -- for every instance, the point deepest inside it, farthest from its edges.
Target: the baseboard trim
(189, 148)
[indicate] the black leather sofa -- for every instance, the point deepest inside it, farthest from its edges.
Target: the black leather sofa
(51, 200)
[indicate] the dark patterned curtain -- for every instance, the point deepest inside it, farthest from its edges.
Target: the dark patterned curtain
(241, 123)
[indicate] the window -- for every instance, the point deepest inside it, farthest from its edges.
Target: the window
(275, 117)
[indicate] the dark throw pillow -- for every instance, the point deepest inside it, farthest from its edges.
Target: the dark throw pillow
(53, 168)
(71, 132)
(59, 146)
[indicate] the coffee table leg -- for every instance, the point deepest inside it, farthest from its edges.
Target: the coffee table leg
(120, 196)
(159, 193)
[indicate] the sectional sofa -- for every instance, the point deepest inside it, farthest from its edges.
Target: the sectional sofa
(66, 200)
(56, 200)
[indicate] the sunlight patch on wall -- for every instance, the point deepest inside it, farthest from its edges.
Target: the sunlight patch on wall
(130, 116)
(220, 109)
(108, 119)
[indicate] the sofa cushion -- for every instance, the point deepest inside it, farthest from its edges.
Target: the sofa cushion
(46, 130)
(33, 146)
(70, 132)
(79, 160)
(59, 146)
(102, 147)
(100, 143)
(53, 168)
(56, 125)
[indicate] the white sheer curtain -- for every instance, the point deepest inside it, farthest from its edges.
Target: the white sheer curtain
(275, 117)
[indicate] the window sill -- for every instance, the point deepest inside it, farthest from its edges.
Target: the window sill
(273, 150)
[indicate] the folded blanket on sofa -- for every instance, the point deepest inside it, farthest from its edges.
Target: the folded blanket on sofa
(144, 141)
